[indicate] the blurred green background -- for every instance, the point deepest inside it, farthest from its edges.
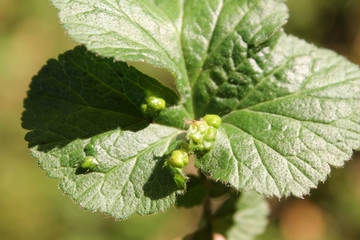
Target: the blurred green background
(32, 207)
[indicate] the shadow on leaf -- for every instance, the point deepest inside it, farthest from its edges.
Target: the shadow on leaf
(81, 95)
(161, 182)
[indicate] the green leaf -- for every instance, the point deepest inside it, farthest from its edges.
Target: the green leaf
(83, 99)
(242, 217)
(220, 89)
(81, 95)
(290, 110)
(185, 37)
(239, 217)
(130, 176)
(301, 118)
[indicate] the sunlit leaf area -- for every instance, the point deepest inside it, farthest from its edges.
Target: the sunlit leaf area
(32, 207)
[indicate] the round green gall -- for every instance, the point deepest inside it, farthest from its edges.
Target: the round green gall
(197, 131)
(201, 126)
(213, 120)
(155, 103)
(210, 134)
(186, 158)
(196, 137)
(89, 163)
(178, 159)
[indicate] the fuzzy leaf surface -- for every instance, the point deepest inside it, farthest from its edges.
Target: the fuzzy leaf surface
(84, 99)
(290, 110)
(300, 119)
(186, 37)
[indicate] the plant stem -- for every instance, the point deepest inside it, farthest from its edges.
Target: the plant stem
(207, 217)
